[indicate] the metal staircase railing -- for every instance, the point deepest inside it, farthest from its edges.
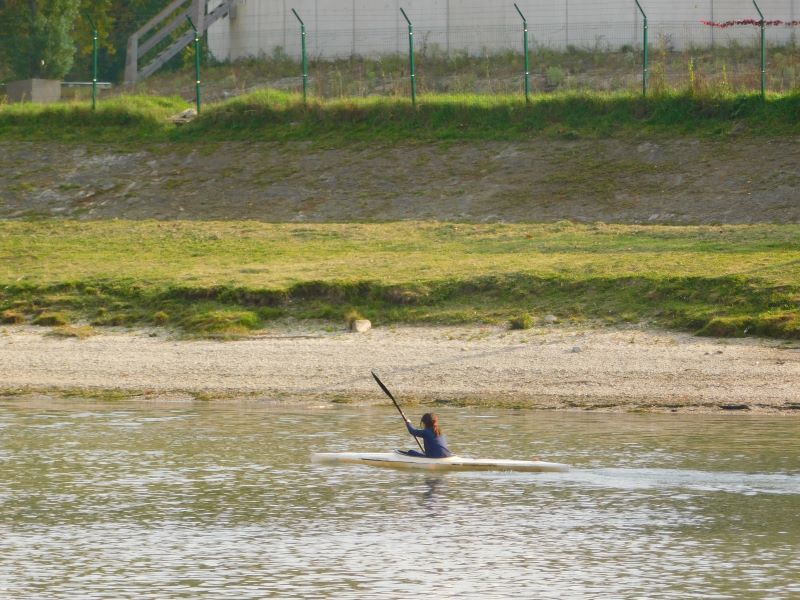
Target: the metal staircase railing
(159, 28)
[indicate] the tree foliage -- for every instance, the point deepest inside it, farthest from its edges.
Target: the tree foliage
(37, 37)
(116, 20)
(53, 38)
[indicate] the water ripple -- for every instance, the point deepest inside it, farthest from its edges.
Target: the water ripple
(213, 501)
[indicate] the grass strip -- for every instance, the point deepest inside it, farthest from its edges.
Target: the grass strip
(269, 115)
(229, 278)
(123, 118)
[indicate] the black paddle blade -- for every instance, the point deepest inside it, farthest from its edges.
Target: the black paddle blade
(383, 387)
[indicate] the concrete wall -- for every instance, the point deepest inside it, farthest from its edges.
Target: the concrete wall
(42, 91)
(341, 28)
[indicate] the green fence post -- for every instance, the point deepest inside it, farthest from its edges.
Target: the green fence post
(527, 63)
(763, 54)
(646, 57)
(196, 64)
(303, 51)
(94, 62)
(411, 58)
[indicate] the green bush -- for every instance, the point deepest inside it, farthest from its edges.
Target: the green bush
(555, 76)
(523, 321)
(37, 38)
(51, 319)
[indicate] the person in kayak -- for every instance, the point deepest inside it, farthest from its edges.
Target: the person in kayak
(432, 437)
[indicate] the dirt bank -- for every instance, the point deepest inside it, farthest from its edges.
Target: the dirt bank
(552, 367)
(677, 180)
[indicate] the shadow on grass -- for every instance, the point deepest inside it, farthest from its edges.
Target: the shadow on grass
(721, 306)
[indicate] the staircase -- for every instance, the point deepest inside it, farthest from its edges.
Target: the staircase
(157, 30)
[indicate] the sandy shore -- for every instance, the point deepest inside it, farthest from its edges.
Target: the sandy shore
(558, 367)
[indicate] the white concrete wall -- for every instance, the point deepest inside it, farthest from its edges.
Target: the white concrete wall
(341, 28)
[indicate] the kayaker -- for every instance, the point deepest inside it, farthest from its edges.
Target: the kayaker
(432, 437)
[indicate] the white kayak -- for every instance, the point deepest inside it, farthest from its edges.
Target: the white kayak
(397, 460)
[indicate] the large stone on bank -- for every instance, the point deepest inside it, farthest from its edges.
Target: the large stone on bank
(360, 325)
(187, 116)
(34, 90)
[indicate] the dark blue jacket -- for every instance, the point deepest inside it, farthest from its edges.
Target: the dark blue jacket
(435, 446)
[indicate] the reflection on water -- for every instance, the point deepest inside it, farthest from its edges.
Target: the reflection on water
(210, 501)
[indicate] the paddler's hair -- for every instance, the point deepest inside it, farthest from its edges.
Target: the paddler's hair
(431, 421)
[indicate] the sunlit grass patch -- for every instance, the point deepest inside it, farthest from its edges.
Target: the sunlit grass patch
(231, 278)
(80, 332)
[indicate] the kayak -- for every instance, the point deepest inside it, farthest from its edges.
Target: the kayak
(397, 460)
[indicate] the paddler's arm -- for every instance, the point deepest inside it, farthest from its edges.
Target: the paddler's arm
(414, 432)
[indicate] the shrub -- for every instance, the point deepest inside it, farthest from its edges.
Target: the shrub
(555, 76)
(51, 319)
(12, 317)
(524, 321)
(352, 316)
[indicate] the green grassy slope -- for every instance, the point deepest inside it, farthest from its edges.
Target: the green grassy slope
(236, 276)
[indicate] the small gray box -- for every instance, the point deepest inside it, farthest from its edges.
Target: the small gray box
(34, 90)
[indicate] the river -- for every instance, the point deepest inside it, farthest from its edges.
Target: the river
(220, 500)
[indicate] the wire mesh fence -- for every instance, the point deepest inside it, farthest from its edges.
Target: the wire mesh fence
(359, 48)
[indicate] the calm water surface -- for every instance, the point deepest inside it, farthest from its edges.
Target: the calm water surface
(101, 500)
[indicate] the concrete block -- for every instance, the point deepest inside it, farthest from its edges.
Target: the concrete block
(34, 90)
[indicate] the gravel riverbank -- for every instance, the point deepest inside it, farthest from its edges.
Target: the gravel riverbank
(550, 367)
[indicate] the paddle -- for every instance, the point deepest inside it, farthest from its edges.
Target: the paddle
(396, 405)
